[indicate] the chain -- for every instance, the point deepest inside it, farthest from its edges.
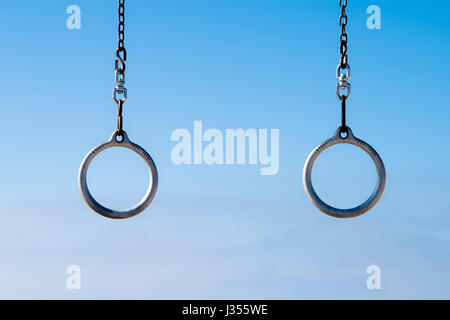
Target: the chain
(120, 92)
(343, 89)
(343, 36)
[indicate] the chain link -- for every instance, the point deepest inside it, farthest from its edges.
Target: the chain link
(120, 92)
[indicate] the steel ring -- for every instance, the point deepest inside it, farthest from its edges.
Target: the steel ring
(149, 195)
(376, 194)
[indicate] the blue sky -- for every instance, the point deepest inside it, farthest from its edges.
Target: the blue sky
(224, 231)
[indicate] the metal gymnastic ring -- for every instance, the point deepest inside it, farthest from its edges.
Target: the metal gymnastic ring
(151, 191)
(369, 203)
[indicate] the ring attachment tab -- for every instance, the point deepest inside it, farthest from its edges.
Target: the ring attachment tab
(124, 143)
(376, 194)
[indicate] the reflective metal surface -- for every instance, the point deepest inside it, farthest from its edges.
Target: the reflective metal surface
(151, 191)
(369, 203)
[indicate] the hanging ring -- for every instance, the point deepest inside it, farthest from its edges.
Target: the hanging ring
(149, 195)
(379, 188)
